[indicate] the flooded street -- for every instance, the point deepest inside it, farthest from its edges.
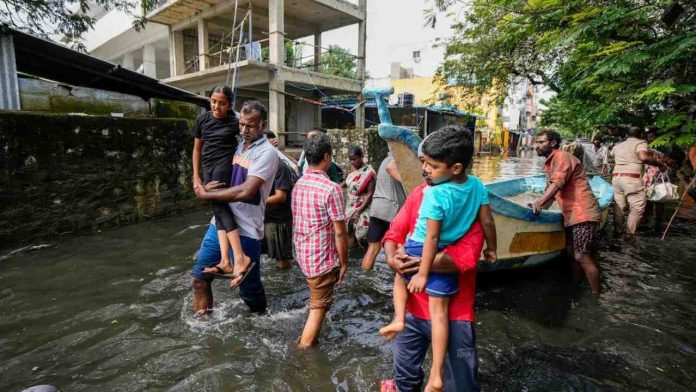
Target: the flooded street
(112, 312)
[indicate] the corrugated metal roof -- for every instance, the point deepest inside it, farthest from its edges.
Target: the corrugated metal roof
(52, 61)
(449, 108)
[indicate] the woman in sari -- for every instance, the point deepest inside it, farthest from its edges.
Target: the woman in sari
(360, 184)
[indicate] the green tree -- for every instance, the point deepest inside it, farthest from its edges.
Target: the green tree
(339, 62)
(290, 54)
(67, 19)
(610, 62)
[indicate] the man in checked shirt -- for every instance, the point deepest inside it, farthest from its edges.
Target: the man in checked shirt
(319, 234)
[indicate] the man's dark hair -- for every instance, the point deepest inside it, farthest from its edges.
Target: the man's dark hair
(250, 106)
(635, 131)
(552, 135)
(316, 148)
(357, 151)
(450, 144)
(270, 134)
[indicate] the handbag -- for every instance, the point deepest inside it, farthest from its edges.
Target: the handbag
(662, 190)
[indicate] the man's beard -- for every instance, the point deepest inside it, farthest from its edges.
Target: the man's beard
(543, 152)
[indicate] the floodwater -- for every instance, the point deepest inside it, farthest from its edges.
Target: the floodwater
(112, 312)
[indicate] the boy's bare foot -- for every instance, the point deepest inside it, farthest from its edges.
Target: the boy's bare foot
(240, 266)
(434, 386)
(392, 329)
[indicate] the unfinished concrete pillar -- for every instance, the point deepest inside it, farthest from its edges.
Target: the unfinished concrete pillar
(202, 45)
(149, 61)
(276, 107)
(9, 86)
(362, 35)
(317, 51)
(176, 53)
(276, 56)
(276, 29)
(128, 62)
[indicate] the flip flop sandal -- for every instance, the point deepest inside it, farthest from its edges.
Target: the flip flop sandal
(220, 274)
(243, 274)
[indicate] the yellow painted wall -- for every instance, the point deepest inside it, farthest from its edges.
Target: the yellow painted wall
(422, 87)
(425, 89)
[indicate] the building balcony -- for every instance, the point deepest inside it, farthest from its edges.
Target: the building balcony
(302, 17)
(255, 76)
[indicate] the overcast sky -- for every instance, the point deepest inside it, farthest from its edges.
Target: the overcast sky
(389, 23)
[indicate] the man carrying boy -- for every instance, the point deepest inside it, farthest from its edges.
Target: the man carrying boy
(451, 204)
(410, 346)
(319, 234)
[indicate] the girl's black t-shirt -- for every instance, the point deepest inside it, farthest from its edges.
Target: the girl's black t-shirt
(219, 137)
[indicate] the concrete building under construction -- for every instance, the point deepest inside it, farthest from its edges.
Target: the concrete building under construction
(196, 44)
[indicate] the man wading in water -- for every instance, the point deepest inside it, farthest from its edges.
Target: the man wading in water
(410, 346)
(567, 182)
(253, 169)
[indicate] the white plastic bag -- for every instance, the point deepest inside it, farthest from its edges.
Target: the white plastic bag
(662, 191)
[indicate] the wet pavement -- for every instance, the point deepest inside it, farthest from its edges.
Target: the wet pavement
(112, 312)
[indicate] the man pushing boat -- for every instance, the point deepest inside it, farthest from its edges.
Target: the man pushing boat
(567, 183)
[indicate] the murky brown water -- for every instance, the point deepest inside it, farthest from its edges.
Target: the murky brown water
(112, 312)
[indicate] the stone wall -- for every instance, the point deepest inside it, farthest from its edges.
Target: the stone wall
(374, 148)
(62, 174)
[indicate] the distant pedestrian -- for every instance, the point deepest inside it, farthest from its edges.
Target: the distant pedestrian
(335, 172)
(360, 184)
(568, 184)
(388, 198)
(629, 192)
(277, 238)
(595, 158)
(319, 234)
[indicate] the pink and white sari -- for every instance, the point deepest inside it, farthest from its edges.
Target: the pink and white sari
(357, 182)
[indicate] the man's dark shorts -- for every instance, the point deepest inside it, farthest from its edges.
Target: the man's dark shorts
(277, 241)
(583, 237)
(251, 290)
(377, 229)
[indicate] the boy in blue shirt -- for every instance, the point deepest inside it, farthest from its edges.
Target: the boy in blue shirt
(451, 203)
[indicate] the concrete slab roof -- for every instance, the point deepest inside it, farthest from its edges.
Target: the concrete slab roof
(302, 17)
(256, 73)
